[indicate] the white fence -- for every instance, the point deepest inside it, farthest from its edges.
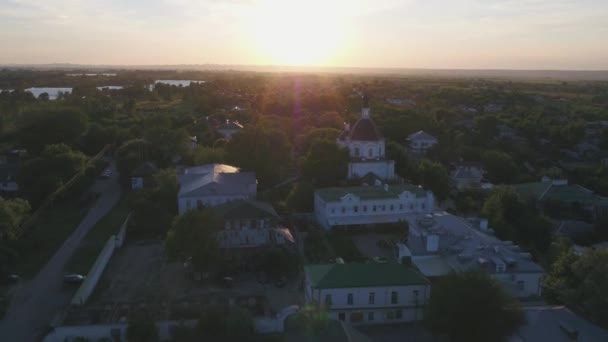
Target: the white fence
(88, 286)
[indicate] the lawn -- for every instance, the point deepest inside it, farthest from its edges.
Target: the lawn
(86, 253)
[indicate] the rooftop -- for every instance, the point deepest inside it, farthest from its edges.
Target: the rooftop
(214, 179)
(246, 209)
(462, 245)
(372, 274)
(365, 130)
(369, 192)
(546, 323)
(556, 190)
(420, 135)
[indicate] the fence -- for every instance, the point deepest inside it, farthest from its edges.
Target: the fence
(88, 286)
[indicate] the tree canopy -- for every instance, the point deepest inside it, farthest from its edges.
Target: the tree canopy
(51, 125)
(154, 207)
(471, 307)
(325, 164)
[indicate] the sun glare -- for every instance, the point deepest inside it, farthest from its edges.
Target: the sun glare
(296, 33)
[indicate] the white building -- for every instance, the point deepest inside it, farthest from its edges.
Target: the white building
(366, 147)
(213, 184)
(371, 293)
(228, 128)
(442, 243)
(370, 204)
(469, 176)
(420, 142)
(249, 224)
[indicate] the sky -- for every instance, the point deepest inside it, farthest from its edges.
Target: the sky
(441, 34)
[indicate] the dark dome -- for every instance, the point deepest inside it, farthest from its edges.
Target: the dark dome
(365, 130)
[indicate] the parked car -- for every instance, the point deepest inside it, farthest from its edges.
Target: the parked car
(73, 278)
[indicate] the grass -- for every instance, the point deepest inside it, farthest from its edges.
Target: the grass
(88, 250)
(49, 232)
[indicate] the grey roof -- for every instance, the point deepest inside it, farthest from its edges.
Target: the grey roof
(462, 246)
(547, 323)
(213, 180)
(421, 135)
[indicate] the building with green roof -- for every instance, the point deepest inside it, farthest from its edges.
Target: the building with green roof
(369, 293)
(552, 191)
(362, 205)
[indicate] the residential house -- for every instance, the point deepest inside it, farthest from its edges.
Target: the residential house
(366, 147)
(370, 293)
(557, 324)
(213, 184)
(571, 196)
(228, 128)
(442, 243)
(141, 175)
(420, 142)
(249, 223)
(362, 205)
(468, 176)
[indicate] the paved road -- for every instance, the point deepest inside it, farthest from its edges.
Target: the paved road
(36, 303)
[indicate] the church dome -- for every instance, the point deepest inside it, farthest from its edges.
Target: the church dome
(365, 130)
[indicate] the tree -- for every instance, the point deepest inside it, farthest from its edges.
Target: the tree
(580, 282)
(305, 141)
(434, 177)
(153, 208)
(325, 164)
(226, 323)
(265, 151)
(45, 126)
(129, 156)
(193, 234)
(300, 198)
(514, 220)
(472, 307)
(59, 162)
(142, 328)
(97, 137)
(404, 165)
(12, 213)
(500, 167)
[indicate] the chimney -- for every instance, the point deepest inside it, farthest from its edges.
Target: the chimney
(432, 243)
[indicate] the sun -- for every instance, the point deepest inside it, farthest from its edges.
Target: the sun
(296, 33)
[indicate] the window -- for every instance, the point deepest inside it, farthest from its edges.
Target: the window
(374, 208)
(411, 206)
(370, 153)
(520, 285)
(392, 207)
(364, 208)
(370, 316)
(372, 299)
(349, 299)
(343, 210)
(341, 316)
(356, 209)
(333, 210)
(384, 207)
(401, 206)
(422, 205)
(394, 297)
(328, 299)
(398, 314)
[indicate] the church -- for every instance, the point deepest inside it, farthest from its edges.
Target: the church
(366, 147)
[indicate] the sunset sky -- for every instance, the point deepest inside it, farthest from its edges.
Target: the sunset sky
(509, 34)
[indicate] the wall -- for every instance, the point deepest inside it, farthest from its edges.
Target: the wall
(384, 169)
(209, 201)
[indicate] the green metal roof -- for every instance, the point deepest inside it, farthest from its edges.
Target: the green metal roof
(332, 276)
(246, 209)
(566, 193)
(369, 192)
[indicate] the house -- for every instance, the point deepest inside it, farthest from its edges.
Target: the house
(370, 293)
(441, 243)
(213, 184)
(228, 128)
(571, 196)
(141, 175)
(366, 147)
(249, 223)
(557, 324)
(361, 205)
(468, 176)
(420, 142)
